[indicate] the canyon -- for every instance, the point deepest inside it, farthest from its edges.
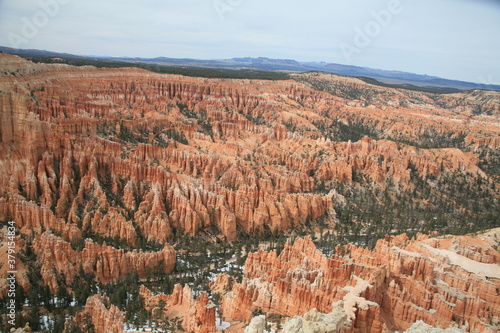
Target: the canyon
(447, 282)
(444, 281)
(107, 171)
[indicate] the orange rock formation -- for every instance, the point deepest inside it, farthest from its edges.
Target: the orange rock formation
(442, 281)
(86, 150)
(137, 157)
(105, 317)
(198, 314)
(105, 262)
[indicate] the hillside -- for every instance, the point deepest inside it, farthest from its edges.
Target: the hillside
(121, 179)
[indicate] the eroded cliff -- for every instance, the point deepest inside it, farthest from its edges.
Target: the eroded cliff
(129, 155)
(102, 169)
(443, 281)
(59, 260)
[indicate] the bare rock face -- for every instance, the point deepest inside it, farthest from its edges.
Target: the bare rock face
(444, 281)
(256, 325)
(105, 317)
(421, 327)
(105, 262)
(198, 315)
(317, 322)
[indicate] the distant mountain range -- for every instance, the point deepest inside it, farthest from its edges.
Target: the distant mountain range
(282, 65)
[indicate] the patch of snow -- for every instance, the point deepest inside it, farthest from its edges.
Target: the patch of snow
(47, 322)
(221, 326)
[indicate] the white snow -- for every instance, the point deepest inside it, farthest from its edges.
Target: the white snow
(47, 322)
(223, 326)
(218, 325)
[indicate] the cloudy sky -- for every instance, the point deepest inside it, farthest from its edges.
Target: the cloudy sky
(455, 39)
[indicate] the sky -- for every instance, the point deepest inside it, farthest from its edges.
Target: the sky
(453, 39)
